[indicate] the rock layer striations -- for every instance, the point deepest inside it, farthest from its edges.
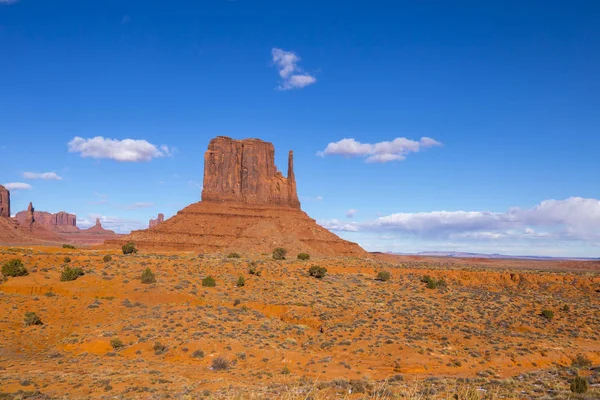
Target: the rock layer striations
(244, 171)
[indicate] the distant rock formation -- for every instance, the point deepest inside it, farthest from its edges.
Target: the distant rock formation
(4, 202)
(247, 206)
(60, 219)
(29, 216)
(97, 229)
(154, 222)
(244, 171)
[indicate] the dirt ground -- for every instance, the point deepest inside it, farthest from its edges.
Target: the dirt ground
(475, 331)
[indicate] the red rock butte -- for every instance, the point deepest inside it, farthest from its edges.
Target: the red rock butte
(247, 206)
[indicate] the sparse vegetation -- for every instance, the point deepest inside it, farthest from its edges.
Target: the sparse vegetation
(581, 361)
(198, 354)
(67, 259)
(32, 318)
(129, 248)
(548, 314)
(233, 255)
(107, 258)
(317, 271)
(304, 256)
(148, 276)
(241, 281)
(220, 364)
(159, 348)
(579, 385)
(279, 253)
(70, 274)
(432, 283)
(14, 268)
(68, 246)
(253, 269)
(209, 281)
(116, 344)
(384, 276)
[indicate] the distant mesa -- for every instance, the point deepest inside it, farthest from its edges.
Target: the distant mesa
(154, 222)
(55, 221)
(4, 202)
(247, 206)
(97, 229)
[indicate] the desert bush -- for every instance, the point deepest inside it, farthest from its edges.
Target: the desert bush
(241, 281)
(581, 361)
(14, 268)
(116, 344)
(68, 246)
(233, 255)
(159, 348)
(70, 274)
(285, 370)
(579, 385)
(304, 256)
(148, 276)
(253, 269)
(237, 302)
(279, 253)
(432, 283)
(198, 354)
(384, 276)
(32, 318)
(129, 248)
(317, 272)
(209, 281)
(220, 364)
(548, 314)
(107, 258)
(67, 259)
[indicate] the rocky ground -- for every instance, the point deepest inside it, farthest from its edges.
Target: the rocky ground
(474, 330)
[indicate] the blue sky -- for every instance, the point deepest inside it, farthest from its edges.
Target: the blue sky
(506, 95)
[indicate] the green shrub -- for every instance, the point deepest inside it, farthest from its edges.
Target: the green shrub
(67, 259)
(159, 348)
(241, 281)
(579, 385)
(116, 344)
(581, 361)
(148, 276)
(548, 314)
(209, 281)
(432, 283)
(32, 318)
(279, 253)
(70, 274)
(68, 246)
(317, 272)
(237, 302)
(285, 370)
(220, 364)
(14, 268)
(233, 255)
(129, 248)
(384, 276)
(107, 258)
(304, 256)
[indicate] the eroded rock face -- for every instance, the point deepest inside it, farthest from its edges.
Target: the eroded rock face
(154, 222)
(45, 218)
(244, 171)
(4, 202)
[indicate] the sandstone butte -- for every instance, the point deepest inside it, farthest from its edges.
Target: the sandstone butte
(158, 220)
(4, 202)
(247, 206)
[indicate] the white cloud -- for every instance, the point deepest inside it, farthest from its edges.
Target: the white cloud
(572, 219)
(293, 77)
(351, 213)
(8, 1)
(120, 150)
(135, 206)
(395, 150)
(42, 175)
(17, 186)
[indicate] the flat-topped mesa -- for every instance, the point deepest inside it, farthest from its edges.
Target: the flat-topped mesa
(244, 171)
(60, 219)
(4, 202)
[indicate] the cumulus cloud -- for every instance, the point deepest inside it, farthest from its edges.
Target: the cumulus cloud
(395, 150)
(575, 218)
(42, 175)
(17, 186)
(351, 213)
(292, 76)
(127, 150)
